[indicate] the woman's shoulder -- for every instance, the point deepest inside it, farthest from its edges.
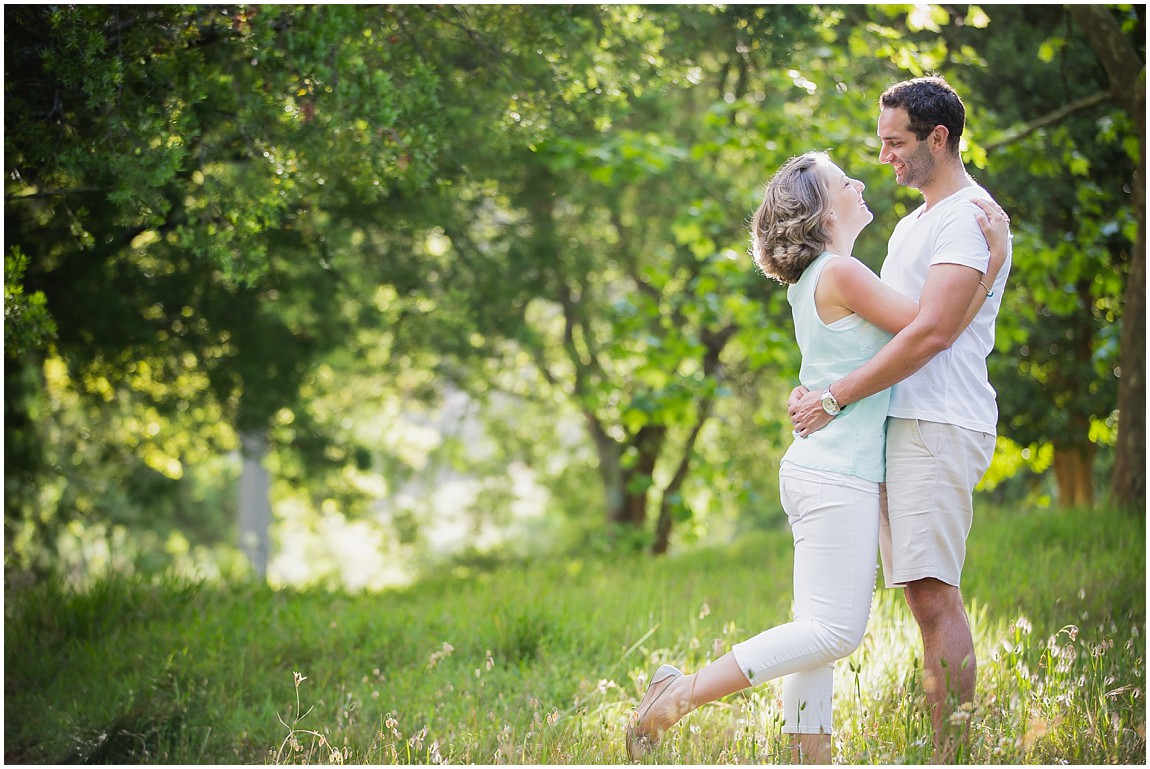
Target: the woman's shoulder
(840, 267)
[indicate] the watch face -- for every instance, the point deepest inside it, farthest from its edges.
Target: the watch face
(829, 404)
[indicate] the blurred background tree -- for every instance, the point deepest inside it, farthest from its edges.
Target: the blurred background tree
(462, 278)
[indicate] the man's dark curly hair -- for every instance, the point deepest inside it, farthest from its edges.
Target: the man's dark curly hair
(930, 102)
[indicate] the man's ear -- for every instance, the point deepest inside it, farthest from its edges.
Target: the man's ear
(937, 138)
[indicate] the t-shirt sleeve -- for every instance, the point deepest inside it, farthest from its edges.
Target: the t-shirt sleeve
(959, 239)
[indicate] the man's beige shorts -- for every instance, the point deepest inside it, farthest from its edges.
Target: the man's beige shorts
(931, 471)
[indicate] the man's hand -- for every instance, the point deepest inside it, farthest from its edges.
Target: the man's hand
(806, 410)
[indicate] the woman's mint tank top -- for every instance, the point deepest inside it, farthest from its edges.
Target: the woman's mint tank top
(854, 443)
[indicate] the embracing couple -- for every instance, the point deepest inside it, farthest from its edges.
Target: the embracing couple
(894, 422)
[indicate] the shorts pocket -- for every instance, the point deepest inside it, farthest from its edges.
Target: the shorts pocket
(931, 436)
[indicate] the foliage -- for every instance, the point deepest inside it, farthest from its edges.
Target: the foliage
(27, 323)
(165, 169)
(1056, 365)
(311, 222)
(540, 661)
(1059, 327)
(633, 324)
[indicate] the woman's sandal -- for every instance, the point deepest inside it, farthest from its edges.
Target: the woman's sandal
(639, 744)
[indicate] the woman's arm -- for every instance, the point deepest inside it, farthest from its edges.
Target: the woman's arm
(995, 226)
(847, 285)
(945, 296)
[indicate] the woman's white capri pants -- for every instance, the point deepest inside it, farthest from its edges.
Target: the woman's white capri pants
(834, 521)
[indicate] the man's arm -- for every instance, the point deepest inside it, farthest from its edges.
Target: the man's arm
(946, 297)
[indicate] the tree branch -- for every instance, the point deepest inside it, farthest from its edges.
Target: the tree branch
(1021, 132)
(17, 196)
(1125, 71)
(715, 342)
(664, 522)
(572, 321)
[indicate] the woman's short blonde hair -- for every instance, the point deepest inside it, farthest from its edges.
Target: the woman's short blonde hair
(789, 230)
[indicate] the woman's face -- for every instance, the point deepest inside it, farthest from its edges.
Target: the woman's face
(848, 211)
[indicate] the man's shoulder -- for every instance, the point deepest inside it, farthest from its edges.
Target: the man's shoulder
(966, 194)
(958, 210)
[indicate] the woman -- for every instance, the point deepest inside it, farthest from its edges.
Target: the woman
(803, 235)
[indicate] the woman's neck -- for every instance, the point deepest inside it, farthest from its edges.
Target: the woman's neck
(841, 246)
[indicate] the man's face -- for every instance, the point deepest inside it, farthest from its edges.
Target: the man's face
(911, 159)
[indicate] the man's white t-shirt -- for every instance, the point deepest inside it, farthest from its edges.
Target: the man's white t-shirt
(953, 387)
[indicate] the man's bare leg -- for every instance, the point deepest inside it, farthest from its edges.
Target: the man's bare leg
(811, 748)
(949, 666)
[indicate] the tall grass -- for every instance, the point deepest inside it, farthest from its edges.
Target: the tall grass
(540, 663)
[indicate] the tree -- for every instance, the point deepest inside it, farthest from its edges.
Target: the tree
(223, 223)
(619, 270)
(1056, 367)
(173, 173)
(1126, 74)
(1034, 109)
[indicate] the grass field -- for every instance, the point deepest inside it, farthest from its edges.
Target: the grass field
(540, 663)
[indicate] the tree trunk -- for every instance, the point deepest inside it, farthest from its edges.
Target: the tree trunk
(627, 489)
(639, 479)
(671, 498)
(611, 473)
(1073, 450)
(1128, 483)
(672, 494)
(715, 341)
(1127, 79)
(255, 503)
(1074, 473)
(634, 510)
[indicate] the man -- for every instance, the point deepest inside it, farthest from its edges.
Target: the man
(942, 417)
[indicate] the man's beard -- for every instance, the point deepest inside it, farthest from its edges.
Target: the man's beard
(918, 169)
